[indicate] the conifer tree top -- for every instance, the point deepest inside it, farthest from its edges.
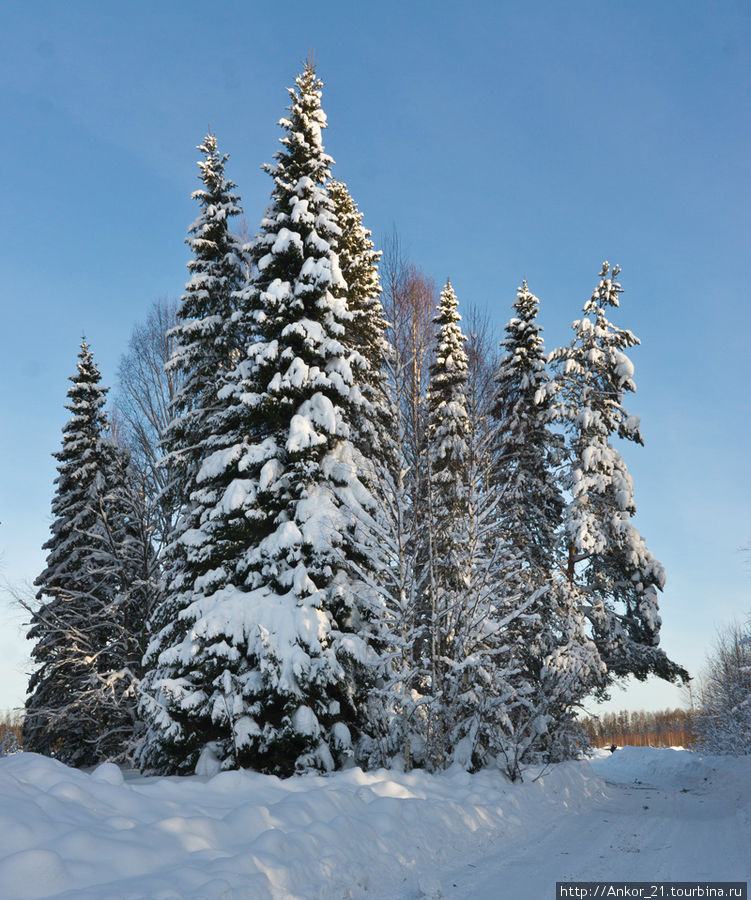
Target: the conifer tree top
(527, 451)
(450, 363)
(216, 267)
(523, 342)
(87, 373)
(447, 403)
(212, 172)
(357, 250)
(303, 152)
(298, 267)
(207, 338)
(596, 366)
(86, 399)
(78, 468)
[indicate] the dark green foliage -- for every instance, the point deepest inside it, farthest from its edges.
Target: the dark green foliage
(93, 595)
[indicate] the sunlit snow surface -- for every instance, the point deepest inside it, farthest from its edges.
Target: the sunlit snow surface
(65, 833)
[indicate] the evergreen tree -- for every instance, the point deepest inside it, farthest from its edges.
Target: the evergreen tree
(608, 560)
(526, 451)
(93, 593)
(447, 458)
(466, 682)
(366, 331)
(547, 663)
(380, 564)
(448, 430)
(208, 341)
(266, 666)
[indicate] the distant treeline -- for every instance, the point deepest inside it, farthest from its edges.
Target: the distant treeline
(10, 731)
(666, 728)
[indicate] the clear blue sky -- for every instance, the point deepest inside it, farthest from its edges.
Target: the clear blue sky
(504, 140)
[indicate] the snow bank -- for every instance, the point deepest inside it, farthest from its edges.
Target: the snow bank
(666, 767)
(68, 834)
(383, 834)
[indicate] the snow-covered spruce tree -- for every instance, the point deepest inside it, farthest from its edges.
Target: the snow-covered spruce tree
(366, 331)
(448, 431)
(526, 451)
(466, 680)
(383, 567)
(482, 691)
(93, 593)
(208, 341)
(265, 667)
(552, 662)
(208, 338)
(607, 559)
(446, 527)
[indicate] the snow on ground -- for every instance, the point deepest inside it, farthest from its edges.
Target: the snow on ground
(639, 814)
(663, 815)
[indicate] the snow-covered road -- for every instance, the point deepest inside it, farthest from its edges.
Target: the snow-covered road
(638, 815)
(665, 815)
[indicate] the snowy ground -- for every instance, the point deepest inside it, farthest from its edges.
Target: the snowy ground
(639, 815)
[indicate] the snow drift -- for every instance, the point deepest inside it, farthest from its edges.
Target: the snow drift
(68, 834)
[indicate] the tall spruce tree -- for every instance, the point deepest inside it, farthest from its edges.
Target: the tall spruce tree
(526, 451)
(608, 561)
(208, 341)
(378, 531)
(208, 338)
(547, 662)
(468, 684)
(366, 331)
(94, 593)
(447, 526)
(266, 667)
(448, 431)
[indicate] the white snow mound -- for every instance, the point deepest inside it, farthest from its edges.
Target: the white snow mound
(638, 814)
(68, 834)
(667, 767)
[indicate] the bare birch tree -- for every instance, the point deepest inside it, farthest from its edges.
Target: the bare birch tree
(146, 390)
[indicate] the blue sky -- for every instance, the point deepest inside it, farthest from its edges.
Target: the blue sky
(504, 140)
